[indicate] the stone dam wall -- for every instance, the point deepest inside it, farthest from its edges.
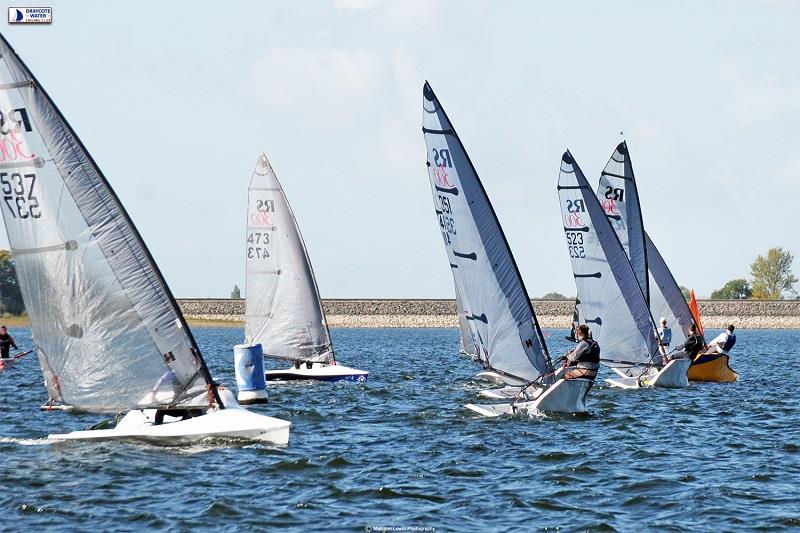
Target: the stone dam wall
(758, 314)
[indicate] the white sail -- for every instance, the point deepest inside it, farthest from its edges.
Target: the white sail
(108, 332)
(611, 300)
(283, 310)
(666, 298)
(619, 197)
(468, 345)
(487, 279)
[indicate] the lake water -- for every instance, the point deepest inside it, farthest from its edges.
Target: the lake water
(400, 452)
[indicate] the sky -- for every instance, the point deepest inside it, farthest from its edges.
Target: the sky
(175, 102)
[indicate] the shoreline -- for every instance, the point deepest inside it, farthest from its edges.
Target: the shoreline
(419, 313)
(441, 313)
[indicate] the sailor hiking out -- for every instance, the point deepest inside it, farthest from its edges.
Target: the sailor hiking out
(584, 360)
(690, 348)
(721, 343)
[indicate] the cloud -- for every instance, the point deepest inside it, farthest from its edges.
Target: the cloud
(355, 4)
(758, 96)
(334, 83)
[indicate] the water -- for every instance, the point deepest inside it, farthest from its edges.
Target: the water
(401, 452)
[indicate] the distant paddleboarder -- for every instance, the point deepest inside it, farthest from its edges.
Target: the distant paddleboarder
(6, 343)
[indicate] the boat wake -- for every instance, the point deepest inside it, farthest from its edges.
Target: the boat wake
(25, 442)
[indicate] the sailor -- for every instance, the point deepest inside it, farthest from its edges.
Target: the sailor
(584, 360)
(665, 336)
(723, 342)
(6, 342)
(690, 348)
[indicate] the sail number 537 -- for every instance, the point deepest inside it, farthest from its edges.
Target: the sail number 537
(18, 195)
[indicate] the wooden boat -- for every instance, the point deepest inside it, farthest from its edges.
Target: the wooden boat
(713, 367)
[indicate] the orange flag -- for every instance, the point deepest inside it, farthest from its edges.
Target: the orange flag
(695, 312)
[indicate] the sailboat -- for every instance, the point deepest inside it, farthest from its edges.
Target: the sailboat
(612, 303)
(283, 310)
(619, 196)
(467, 347)
(108, 332)
(488, 283)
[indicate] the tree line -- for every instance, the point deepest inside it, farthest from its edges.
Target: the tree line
(771, 278)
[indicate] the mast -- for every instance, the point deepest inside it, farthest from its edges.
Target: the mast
(283, 307)
(484, 270)
(619, 196)
(138, 291)
(610, 295)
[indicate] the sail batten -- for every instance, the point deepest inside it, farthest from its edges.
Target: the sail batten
(283, 311)
(489, 288)
(103, 320)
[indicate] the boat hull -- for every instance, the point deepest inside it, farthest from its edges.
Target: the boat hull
(318, 372)
(231, 423)
(672, 376)
(565, 396)
(499, 378)
(712, 367)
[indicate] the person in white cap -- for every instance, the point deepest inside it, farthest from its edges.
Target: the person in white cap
(665, 334)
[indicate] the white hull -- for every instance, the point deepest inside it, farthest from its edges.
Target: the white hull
(499, 378)
(318, 372)
(502, 393)
(233, 422)
(565, 396)
(673, 376)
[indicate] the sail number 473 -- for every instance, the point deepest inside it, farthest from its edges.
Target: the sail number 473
(18, 194)
(257, 243)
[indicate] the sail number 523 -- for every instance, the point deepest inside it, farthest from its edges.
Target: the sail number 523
(575, 244)
(18, 195)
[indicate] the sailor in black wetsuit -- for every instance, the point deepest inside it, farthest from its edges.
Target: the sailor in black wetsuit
(6, 342)
(690, 348)
(584, 360)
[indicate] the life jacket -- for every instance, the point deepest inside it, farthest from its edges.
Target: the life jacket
(593, 355)
(729, 342)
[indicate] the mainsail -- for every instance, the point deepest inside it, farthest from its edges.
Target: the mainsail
(619, 197)
(667, 299)
(487, 279)
(108, 332)
(283, 310)
(468, 345)
(611, 300)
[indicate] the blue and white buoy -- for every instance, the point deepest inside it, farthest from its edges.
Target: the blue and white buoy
(248, 360)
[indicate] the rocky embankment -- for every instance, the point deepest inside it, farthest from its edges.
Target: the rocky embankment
(761, 314)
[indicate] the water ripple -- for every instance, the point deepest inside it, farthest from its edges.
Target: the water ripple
(400, 450)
